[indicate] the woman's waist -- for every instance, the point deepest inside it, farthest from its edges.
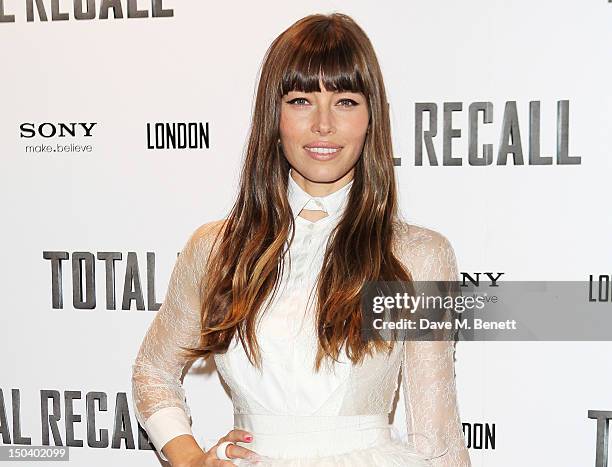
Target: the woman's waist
(273, 424)
(309, 435)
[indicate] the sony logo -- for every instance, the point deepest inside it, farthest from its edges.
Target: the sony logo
(61, 130)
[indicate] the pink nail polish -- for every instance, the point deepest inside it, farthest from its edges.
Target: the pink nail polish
(248, 438)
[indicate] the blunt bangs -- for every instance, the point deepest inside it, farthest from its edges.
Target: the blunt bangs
(327, 54)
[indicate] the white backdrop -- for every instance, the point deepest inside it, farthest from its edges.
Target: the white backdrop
(531, 222)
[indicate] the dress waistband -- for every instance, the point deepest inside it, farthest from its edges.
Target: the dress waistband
(285, 424)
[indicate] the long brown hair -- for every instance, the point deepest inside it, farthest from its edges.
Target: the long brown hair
(245, 269)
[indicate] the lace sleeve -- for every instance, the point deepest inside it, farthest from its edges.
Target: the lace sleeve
(157, 392)
(428, 368)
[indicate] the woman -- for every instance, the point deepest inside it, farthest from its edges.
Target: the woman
(273, 291)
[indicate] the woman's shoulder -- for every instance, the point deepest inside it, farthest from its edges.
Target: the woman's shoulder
(201, 241)
(419, 236)
(427, 253)
(206, 233)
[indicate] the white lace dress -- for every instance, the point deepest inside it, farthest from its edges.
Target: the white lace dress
(338, 416)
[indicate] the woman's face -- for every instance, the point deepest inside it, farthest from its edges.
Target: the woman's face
(322, 136)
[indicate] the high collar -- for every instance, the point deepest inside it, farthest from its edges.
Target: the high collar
(333, 204)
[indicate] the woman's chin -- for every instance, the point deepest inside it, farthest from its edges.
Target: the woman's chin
(323, 174)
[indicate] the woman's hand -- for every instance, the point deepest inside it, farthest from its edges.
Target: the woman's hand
(233, 451)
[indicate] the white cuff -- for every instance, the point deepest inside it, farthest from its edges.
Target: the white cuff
(166, 424)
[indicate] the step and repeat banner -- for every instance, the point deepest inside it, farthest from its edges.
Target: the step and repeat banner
(123, 124)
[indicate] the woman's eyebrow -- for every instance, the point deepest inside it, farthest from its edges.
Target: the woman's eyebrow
(349, 92)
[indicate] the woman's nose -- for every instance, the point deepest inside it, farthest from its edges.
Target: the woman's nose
(323, 121)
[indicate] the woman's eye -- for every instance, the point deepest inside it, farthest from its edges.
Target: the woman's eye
(351, 102)
(342, 102)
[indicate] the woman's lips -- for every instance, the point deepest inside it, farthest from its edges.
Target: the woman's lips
(328, 154)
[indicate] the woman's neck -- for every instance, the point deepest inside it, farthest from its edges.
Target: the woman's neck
(320, 189)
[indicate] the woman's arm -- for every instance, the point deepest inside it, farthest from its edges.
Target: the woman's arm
(428, 369)
(157, 391)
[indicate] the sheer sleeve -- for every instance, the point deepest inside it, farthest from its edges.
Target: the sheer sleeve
(428, 368)
(157, 392)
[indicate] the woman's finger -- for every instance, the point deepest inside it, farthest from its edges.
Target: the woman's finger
(238, 435)
(234, 451)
